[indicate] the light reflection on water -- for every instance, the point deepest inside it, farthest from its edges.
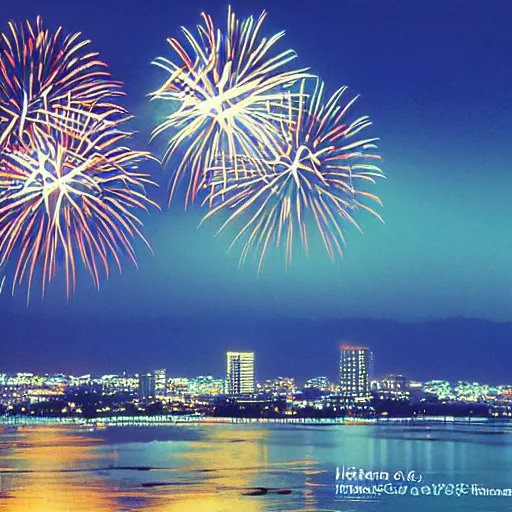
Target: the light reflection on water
(223, 467)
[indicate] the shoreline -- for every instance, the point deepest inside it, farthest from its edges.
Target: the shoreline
(129, 421)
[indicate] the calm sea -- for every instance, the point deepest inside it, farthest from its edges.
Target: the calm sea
(252, 468)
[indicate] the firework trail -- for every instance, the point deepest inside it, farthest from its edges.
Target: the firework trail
(71, 195)
(228, 88)
(41, 72)
(319, 178)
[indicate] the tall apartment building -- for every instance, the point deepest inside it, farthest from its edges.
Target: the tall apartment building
(355, 364)
(240, 372)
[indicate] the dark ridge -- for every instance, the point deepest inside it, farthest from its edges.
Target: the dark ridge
(448, 349)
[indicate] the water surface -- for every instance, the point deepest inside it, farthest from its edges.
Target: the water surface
(252, 468)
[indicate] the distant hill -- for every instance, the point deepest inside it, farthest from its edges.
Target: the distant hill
(452, 349)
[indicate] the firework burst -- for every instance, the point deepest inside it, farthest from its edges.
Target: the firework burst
(320, 175)
(40, 72)
(228, 88)
(70, 195)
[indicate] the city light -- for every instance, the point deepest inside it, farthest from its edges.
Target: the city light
(355, 393)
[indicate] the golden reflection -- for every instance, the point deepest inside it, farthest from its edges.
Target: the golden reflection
(34, 473)
(230, 469)
(228, 462)
(310, 473)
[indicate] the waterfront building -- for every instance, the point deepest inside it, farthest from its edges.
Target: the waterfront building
(441, 389)
(240, 372)
(178, 386)
(279, 386)
(112, 384)
(501, 395)
(470, 392)
(25, 380)
(160, 382)
(33, 396)
(319, 383)
(355, 364)
(83, 380)
(206, 386)
(146, 386)
(392, 387)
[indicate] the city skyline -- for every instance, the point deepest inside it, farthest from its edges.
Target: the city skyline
(27, 394)
(355, 376)
(181, 379)
(143, 384)
(356, 392)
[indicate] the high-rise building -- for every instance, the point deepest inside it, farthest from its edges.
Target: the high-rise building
(240, 372)
(160, 382)
(355, 364)
(146, 386)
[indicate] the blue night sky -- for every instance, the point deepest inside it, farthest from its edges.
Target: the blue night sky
(436, 80)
